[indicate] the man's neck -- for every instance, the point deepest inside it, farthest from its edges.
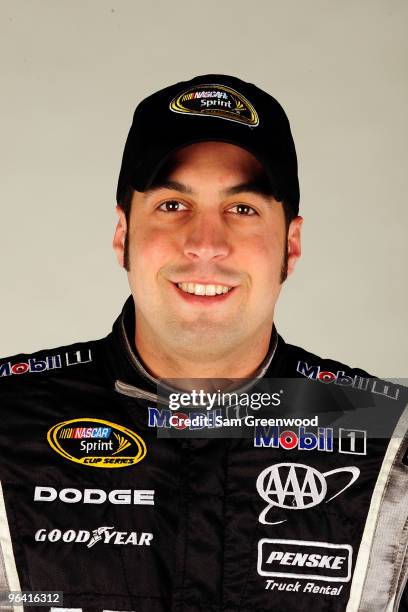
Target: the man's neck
(243, 361)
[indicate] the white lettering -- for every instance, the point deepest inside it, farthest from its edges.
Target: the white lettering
(138, 497)
(145, 539)
(54, 535)
(101, 534)
(120, 537)
(45, 494)
(70, 496)
(69, 536)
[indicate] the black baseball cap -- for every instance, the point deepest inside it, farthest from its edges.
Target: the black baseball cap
(210, 107)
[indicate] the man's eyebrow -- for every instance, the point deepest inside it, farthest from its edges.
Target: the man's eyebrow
(166, 184)
(260, 187)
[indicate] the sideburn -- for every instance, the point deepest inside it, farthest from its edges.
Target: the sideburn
(126, 262)
(284, 269)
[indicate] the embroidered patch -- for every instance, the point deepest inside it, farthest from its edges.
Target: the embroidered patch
(216, 101)
(96, 443)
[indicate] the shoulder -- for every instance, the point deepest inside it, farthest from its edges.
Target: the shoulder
(309, 364)
(300, 363)
(26, 369)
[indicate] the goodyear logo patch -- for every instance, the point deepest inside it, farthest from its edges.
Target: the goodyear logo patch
(216, 101)
(96, 443)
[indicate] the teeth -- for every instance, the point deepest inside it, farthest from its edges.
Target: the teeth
(200, 289)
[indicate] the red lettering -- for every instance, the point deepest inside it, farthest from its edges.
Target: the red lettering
(326, 377)
(20, 368)
(288, 439)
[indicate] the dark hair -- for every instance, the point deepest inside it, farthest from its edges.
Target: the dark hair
(126, 203)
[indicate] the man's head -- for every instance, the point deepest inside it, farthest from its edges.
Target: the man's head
(213, 214)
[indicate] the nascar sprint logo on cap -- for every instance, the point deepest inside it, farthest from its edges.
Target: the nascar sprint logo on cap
(96, 443)
(216, 101)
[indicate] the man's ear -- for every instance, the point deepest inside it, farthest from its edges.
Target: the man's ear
(294, 242)
(120, 236)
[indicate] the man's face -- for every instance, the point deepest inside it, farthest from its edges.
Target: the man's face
(206, 250)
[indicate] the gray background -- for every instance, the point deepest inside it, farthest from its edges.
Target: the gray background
(71, 75)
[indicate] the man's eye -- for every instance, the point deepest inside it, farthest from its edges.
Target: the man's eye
(172, 206)
(242, 209)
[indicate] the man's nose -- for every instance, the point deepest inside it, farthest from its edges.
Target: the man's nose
(206, 237)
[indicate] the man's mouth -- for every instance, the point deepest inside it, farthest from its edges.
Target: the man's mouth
(204, 289)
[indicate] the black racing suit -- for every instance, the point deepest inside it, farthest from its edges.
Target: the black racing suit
(95, 503)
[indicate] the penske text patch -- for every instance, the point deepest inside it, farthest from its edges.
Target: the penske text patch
(215, 101)
(304, 559)
(96, 443)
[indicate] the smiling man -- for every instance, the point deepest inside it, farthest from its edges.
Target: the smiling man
(102, 505)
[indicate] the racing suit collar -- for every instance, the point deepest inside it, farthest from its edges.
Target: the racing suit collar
(130, 376)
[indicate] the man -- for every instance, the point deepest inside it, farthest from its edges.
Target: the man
(106, 497)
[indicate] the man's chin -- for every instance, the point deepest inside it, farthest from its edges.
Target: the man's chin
(204, 336)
